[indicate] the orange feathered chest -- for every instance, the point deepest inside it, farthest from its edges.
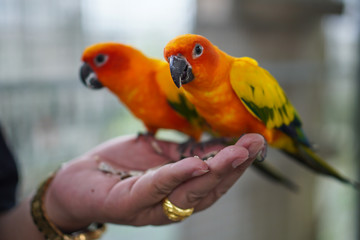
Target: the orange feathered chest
(223, 110)
(142, 95)
(140, 92)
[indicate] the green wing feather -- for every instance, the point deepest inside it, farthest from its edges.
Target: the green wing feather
(186, 109)
(264, 98)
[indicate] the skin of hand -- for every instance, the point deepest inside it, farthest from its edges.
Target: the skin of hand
(81, 194)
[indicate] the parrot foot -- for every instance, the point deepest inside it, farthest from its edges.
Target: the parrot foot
(146, 135)
(191, 145)
(183, 147)
(212, 142)
(150, 137)
(209, 155)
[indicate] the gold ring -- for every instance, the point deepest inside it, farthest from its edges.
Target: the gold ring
(175, 213)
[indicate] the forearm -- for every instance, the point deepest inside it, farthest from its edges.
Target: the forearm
(18, 224)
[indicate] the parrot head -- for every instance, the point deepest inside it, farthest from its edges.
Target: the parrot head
(190, 57)
(103, 63)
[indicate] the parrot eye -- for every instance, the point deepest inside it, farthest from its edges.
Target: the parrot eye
(100, 60)
(197, 51)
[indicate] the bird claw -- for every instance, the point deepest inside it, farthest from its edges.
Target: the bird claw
(146, 136)
(209, 155)
(182, 148)
(149, 137)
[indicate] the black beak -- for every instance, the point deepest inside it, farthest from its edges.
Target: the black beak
(181, 71)
(89, 78)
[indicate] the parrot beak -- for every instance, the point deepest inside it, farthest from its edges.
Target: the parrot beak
(89, 78)
(181, 71)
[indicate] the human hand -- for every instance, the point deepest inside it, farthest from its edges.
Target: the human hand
(81, 193)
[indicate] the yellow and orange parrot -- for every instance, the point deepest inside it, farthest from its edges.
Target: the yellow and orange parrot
(145, 86)
(236, 96)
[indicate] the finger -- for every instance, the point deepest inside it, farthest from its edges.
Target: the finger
(252, 141)
(211, 147)
(191, 193)
(223, 187)
(159, 183)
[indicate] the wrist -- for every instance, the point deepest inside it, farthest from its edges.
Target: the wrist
(51, 229)
(60, 213)
(17, 223)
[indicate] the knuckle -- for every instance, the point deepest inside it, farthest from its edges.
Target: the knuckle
(165, 185)
(193, 198)
(161, 189)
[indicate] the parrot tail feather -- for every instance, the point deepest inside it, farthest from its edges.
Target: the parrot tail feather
(273, 174)
(307, 157)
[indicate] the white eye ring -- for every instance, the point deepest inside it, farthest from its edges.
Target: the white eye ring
(100, 59)
(197, 51)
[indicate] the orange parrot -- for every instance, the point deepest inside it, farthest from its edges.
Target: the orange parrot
(145, 86)
(236, 96)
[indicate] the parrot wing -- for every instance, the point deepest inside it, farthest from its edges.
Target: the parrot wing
(264, 98)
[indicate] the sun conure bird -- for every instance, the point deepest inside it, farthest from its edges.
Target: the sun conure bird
(236, 96)
(145, 86)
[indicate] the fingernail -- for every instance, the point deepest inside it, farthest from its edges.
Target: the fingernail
(254, 149)
(200, 172)
(237, 162)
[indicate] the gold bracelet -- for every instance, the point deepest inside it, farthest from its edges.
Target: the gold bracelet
(50, 231)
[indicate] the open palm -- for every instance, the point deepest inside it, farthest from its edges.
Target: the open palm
(81, 193)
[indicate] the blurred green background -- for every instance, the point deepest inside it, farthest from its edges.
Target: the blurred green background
(311, 47)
